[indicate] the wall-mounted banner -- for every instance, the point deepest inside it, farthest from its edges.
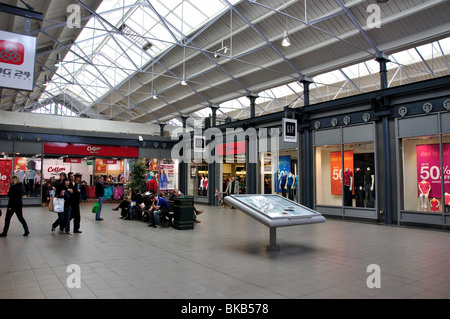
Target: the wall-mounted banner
(429, 168)
(5, 175)
(289, 130)
(17, 56)
(336, 169)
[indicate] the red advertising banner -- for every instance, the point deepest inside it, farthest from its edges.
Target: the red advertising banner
(100, 166)
(336, 169)
(90, 149)
(231, 148)
(5, 175)
(72, 160)
(429, 168)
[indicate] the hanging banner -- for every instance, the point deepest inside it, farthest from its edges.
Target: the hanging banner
(5, 175)
(336, 169)
(429, 168)
(289, 130)
(166, 176)
(17, 56)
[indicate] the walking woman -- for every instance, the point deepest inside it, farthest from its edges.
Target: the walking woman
(63, 221)
(15, 206)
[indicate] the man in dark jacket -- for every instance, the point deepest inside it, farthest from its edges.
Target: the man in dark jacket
(99, 193)
(15, 206)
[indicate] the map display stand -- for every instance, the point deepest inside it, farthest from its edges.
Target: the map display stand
(274, 211)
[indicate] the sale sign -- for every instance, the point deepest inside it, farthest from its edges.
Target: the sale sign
(429, 168)
(336, 169)
(5, 175)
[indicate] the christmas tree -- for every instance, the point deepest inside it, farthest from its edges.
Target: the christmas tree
(137, 178)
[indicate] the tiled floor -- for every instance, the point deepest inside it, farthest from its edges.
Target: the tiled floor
(225, 256)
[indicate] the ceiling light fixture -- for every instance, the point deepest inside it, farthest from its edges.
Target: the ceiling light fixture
(285, 41)
(223, 49)
(58, 63)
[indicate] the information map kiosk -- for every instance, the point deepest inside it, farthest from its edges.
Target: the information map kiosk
(274, 211)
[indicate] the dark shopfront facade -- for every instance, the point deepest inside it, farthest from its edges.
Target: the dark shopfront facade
(390, 142)
(387, 141)
(36, 154)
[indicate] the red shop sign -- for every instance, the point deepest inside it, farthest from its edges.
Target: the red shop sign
(231, 148)
(90, 149)
(72, 160)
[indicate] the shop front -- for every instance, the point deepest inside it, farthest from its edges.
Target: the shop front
(88, 162)
(345, 171)
(423, 152)
(24, 160)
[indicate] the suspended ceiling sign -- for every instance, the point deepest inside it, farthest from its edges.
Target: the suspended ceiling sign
(17, 56)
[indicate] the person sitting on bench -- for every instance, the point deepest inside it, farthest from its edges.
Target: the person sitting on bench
(159, 209)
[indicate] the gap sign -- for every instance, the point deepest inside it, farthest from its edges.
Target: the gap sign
(289, 130)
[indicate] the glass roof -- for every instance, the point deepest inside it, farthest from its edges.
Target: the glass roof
(121, 41)
(411, 58)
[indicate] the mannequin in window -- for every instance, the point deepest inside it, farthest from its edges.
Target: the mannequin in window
(289, 185)
(359, 187)
(369, 182)
(283, 178)
(205, 185)
(295, 186)
(348, 183)
(200, 186)
(424, 192)
(434, 203)
(447, 202)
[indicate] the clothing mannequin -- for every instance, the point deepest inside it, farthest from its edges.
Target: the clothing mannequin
(205, 185)
(447, 202)
(283, 177)
(289, 185)
(434, 203)
(359, 187)
(424, 192)
(369, 182)
(348, 183)
(200, 186)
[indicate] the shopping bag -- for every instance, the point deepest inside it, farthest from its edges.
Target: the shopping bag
(58, 205)
(95, 208)
(50, 204)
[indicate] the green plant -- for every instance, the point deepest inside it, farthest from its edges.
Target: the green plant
(137, 177)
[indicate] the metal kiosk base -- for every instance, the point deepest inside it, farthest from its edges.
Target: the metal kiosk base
(273, 240)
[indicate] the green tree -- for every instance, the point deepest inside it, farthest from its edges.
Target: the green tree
(137, 178)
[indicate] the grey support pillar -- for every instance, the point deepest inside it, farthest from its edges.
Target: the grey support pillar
(161, 129)
(182, 176)
(251, 158)
(308, 173)
(387, 145)
(212, 166)
(252, 97)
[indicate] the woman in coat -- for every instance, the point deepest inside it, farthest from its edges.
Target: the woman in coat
(15, 206)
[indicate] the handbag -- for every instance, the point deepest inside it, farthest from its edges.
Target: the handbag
(50, 204)
(95, 208)
(58, 205)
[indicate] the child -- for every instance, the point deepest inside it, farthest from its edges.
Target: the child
(219, 197)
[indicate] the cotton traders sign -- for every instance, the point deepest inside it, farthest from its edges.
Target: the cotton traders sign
(17, 55)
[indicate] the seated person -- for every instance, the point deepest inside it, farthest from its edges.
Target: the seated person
(136, 210)
(124, 209)
(176, 193)
(159, 207)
